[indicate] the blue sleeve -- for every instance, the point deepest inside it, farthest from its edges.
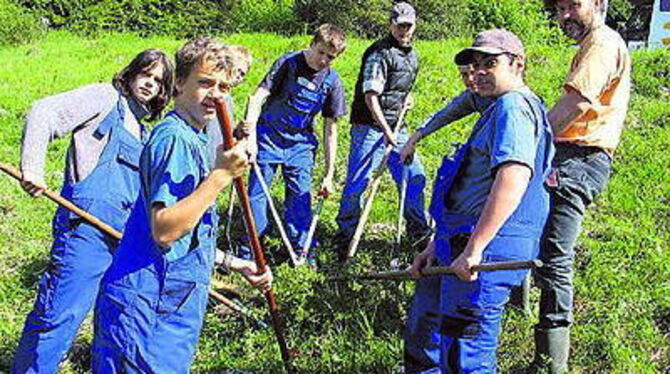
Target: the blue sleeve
(461, 106)
(172, 170)
(274, 79)
(514, 134)
(335, 105)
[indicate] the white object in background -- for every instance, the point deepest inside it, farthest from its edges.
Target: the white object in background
(659, 32)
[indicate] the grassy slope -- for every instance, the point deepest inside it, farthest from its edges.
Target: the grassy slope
(623, 303)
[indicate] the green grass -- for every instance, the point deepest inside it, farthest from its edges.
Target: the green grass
(623, 272)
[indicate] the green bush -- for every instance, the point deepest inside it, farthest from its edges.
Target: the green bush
(440, 19)
(263, 16)
(652, 74)
(17, 25)
(366, 18)
(437, 18)
(57, 12)
(526, 18)
(178, 18)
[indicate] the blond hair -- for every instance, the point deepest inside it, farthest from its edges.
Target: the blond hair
(330, 35)
(235, 59)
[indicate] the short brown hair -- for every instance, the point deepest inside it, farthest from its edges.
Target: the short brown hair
(233, 58)
(330, 35)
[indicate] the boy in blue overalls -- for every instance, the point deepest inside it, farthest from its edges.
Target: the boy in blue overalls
(422, 348)
(490, 204)
(280, 119)
(100, 177)
(153, 297)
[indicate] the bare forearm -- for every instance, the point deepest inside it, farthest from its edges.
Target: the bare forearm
(372, 101)
(330, 145)
(508, 188)
(171, 223)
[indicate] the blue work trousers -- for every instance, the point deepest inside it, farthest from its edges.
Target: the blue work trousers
(67, 290)
(582, 174)
(365, 154)
(150, 311)
(297, 174)
(453, 325)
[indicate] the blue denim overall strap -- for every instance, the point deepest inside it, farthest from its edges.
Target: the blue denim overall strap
(110, 190)
(294, 109)
(444, 180)
(529, 217)
(81, 253)
(531, 214)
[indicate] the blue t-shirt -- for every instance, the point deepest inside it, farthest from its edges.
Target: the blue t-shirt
(172, 165)
(507, 132)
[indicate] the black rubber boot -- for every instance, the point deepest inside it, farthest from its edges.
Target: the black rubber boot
(552, 347)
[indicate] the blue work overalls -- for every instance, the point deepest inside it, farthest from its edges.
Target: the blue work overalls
(152, 300)
(453, 325)
(80, 253)
(286, 137)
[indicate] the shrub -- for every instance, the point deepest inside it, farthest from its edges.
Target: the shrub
(263, 16)
(437, 18)
(17, 25)
(364, 18)
(526, 18)
(443, 19)
(57, 13)
(652, 74)
(178, 18)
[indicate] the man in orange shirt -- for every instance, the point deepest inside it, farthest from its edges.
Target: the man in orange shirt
(587, 122)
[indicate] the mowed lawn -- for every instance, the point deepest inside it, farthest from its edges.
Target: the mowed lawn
(623, 265)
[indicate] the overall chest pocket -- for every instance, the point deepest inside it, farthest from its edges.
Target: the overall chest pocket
(304, 101)
(129, 155)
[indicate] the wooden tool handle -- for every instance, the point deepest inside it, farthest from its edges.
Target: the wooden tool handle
(58, 199)
(226, 124)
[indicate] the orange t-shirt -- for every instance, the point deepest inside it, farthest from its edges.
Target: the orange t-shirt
(600, 72)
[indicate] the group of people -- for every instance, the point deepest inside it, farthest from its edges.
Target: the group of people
(517, 189)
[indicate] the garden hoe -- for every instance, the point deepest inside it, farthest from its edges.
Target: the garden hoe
(374, 186)
(441, 270)
(225, 122)
(401, 208)
(105, 228)
(295, 259)
(323, 195)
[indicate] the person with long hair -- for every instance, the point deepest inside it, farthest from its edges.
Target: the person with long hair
(101, 177)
